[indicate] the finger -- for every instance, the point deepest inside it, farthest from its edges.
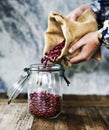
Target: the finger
(76, 46)
(85, 54)
(82, 56)
(72, 16)
(77, 58)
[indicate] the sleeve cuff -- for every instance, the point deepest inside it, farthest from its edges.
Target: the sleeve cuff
(103, 34)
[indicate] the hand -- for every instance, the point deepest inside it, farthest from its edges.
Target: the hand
(73, 15)
(88, 44)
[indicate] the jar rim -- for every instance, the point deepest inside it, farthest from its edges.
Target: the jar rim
(50, 67)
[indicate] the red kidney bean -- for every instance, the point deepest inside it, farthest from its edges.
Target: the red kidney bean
(44, 104)
(53, 54)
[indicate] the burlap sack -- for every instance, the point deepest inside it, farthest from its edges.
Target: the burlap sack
(61, 28)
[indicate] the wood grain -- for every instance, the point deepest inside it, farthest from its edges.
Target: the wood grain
(78, 113)
(15, 117)
(74, 100)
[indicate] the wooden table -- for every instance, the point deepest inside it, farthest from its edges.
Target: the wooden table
(79, 113)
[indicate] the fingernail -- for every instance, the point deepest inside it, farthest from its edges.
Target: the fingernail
(70, 51)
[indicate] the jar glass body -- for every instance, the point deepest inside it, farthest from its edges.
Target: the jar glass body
(45, 91)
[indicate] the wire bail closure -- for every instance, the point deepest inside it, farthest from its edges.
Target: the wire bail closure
(18, 87)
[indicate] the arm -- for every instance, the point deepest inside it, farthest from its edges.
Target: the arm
(101, 10)
(91, 41)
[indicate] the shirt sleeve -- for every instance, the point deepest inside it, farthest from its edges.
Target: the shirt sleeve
(101, 9)
(103, 34)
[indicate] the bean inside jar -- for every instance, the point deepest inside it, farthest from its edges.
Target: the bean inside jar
(45, 104)
(45, 91)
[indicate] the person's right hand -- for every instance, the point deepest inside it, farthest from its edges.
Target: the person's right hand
(88, 45)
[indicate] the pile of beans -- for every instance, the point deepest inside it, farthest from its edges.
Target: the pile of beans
(44, 104)
(53, 53)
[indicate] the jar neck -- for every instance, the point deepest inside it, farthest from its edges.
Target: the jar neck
(49, 68)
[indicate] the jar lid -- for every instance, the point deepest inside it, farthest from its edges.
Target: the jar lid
(49, 67)
(17, 88)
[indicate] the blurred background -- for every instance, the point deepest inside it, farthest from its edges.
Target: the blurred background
(22, 27)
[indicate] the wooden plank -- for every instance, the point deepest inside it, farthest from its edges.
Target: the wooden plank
(74, 100)
(79, 113)
(66, 102)
(15, 117)
(85, 118)
(61, 123)
(104, 112)
(43, 124)
(67, 120)
(92, 119)
(86, 100)
(73, 118)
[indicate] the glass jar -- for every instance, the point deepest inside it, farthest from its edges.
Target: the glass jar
(45, 90)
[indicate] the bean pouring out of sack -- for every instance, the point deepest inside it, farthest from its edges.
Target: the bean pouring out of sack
(62, 33)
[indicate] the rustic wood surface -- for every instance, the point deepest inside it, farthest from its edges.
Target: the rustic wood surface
(79, 113)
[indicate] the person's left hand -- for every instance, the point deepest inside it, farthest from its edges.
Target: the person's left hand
(88, 45)
(74, 14)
